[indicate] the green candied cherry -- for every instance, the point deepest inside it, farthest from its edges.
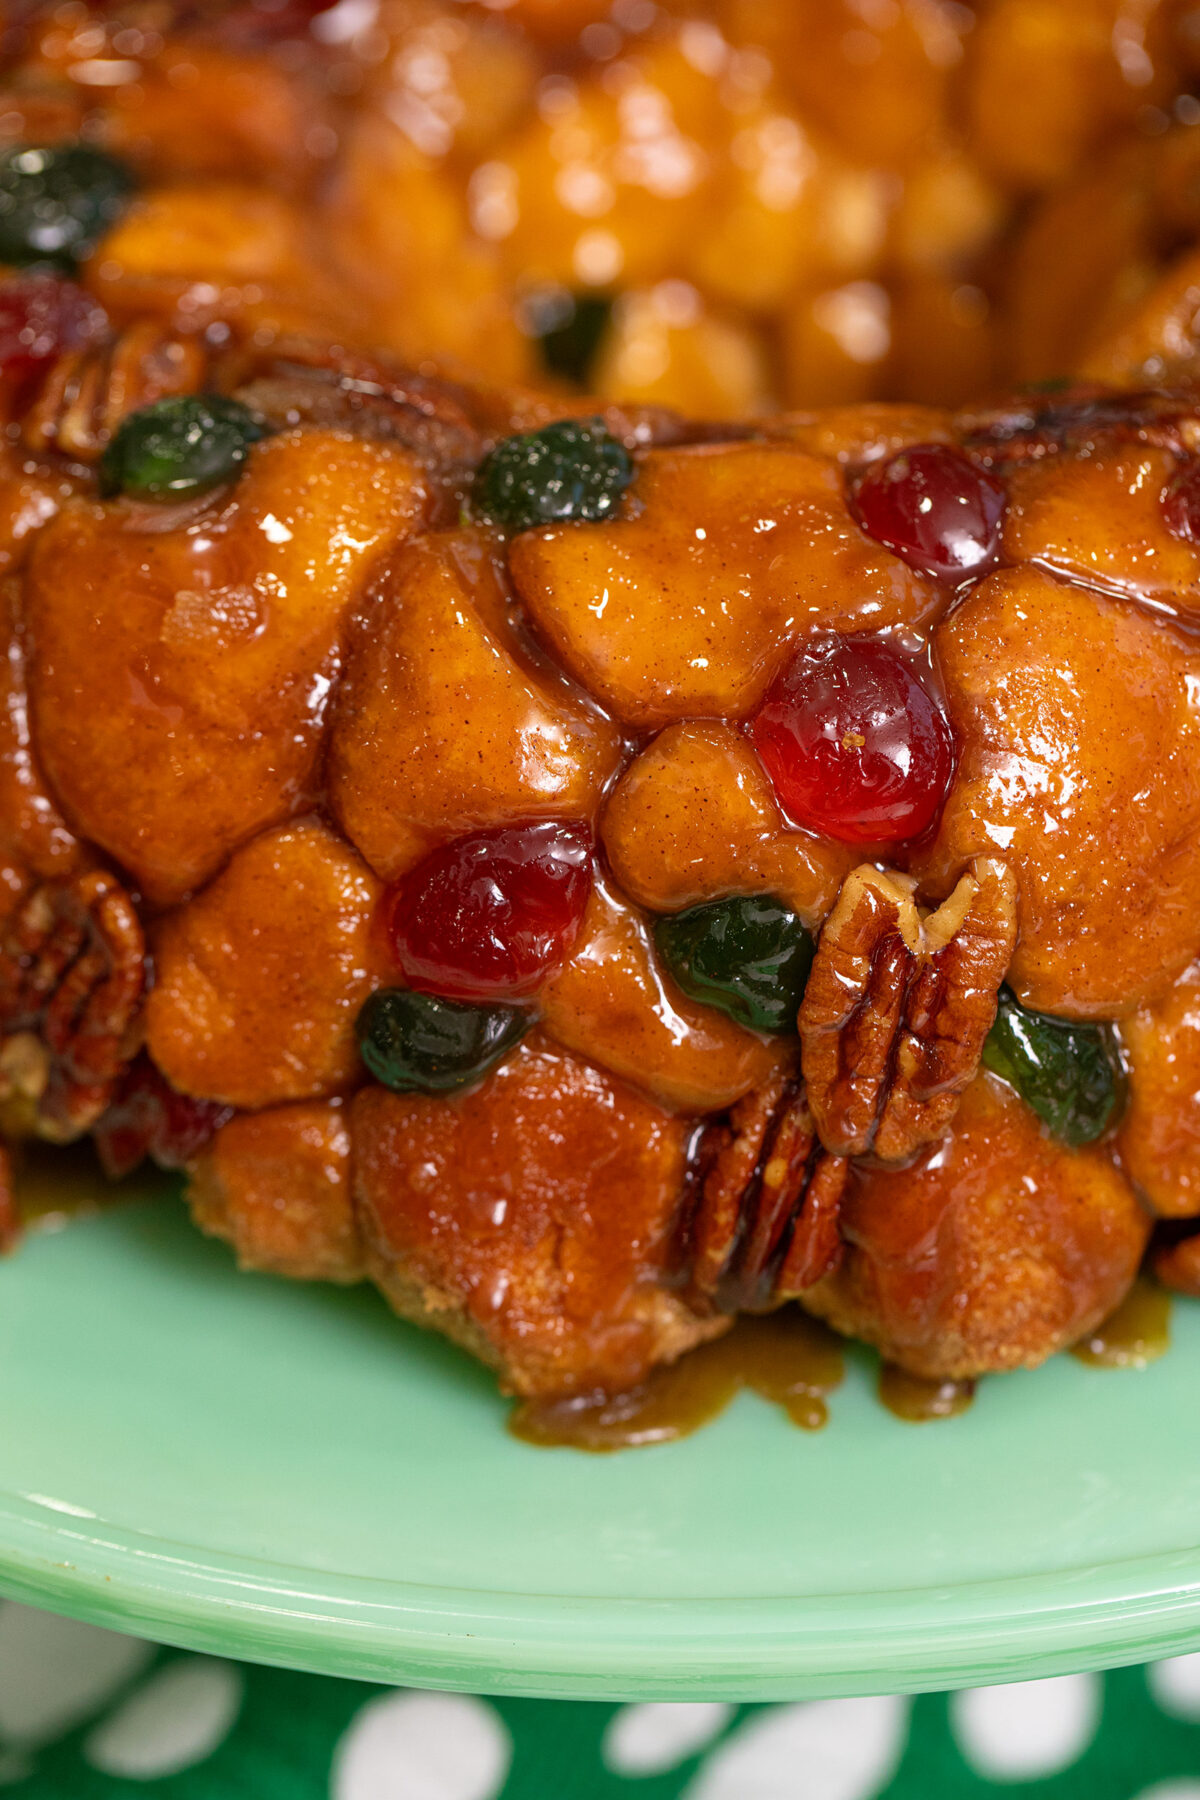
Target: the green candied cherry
(55, 202)
(179, 447)
(574, 469)
(569, 329)
(421, 1043)
(750, 956)
(1070, 1074)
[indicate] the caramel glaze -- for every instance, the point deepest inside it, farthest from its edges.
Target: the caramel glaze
(54, 1183)
(916, 1399)
(785, 1356)
(795, 1361)
(1139, 1332)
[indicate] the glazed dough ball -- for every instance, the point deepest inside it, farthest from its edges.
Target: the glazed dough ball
(994, 1249)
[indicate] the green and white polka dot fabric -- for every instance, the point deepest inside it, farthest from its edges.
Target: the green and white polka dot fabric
(89, 1715)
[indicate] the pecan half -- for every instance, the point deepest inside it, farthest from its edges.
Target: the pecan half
(306, 382)
(88, 391)
(1036, 425)
(898, 1005)
(72, 974)
(764, 1224)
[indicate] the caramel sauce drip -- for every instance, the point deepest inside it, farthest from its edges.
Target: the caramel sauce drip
(917, 1399)
(53, 1183)
(786, 1357)
(1139, 1332)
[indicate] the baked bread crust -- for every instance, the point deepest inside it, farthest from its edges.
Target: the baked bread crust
(238, 720)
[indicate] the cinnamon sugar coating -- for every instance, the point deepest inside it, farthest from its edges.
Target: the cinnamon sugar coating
(531, 1220)
(29, 497)
(698, 619)
(1160, 1134)
(434, 642)
(613, 1003)
(444, 711)
(694, 818)
(1061, 514)
(993, 1250)
(242, 718)
(179, 667)
(32, 829)
(796, 202)
(1078, 720)
(260, 977)
(276, 1186)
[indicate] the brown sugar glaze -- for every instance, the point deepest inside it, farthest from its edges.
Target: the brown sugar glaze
(785, 1357)
(796, 1362)
(308, 709)
(54, 1184)
(1139, 1332)
(917, 1400)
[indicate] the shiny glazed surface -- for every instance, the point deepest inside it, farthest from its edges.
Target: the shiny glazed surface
(454, 682)
(296, 687)
(1045, 698)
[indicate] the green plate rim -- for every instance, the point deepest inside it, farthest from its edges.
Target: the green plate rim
(582, 1647)
(564, 1639)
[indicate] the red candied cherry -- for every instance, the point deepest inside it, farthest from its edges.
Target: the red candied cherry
(1181, 504)
(934, 508)
(289, 9)
(263, 21)
(146, 1117)
(486, 916)
(40, 317)
(856, 746)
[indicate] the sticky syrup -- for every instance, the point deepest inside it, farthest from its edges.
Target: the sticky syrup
(1139, 1332)
(53, 1183)
(786, 1357)
(917, 1399)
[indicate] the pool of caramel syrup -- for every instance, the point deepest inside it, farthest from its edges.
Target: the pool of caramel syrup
(918, 1400)
(796, 1362)
(786, 1356)
(1139, 1332)
(54, 1183)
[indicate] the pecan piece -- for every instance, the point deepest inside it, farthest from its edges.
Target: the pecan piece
(89, 391)
(1032, 426)
(72, 974)
(898, 1005)
(764, 1223)
(306, 382)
